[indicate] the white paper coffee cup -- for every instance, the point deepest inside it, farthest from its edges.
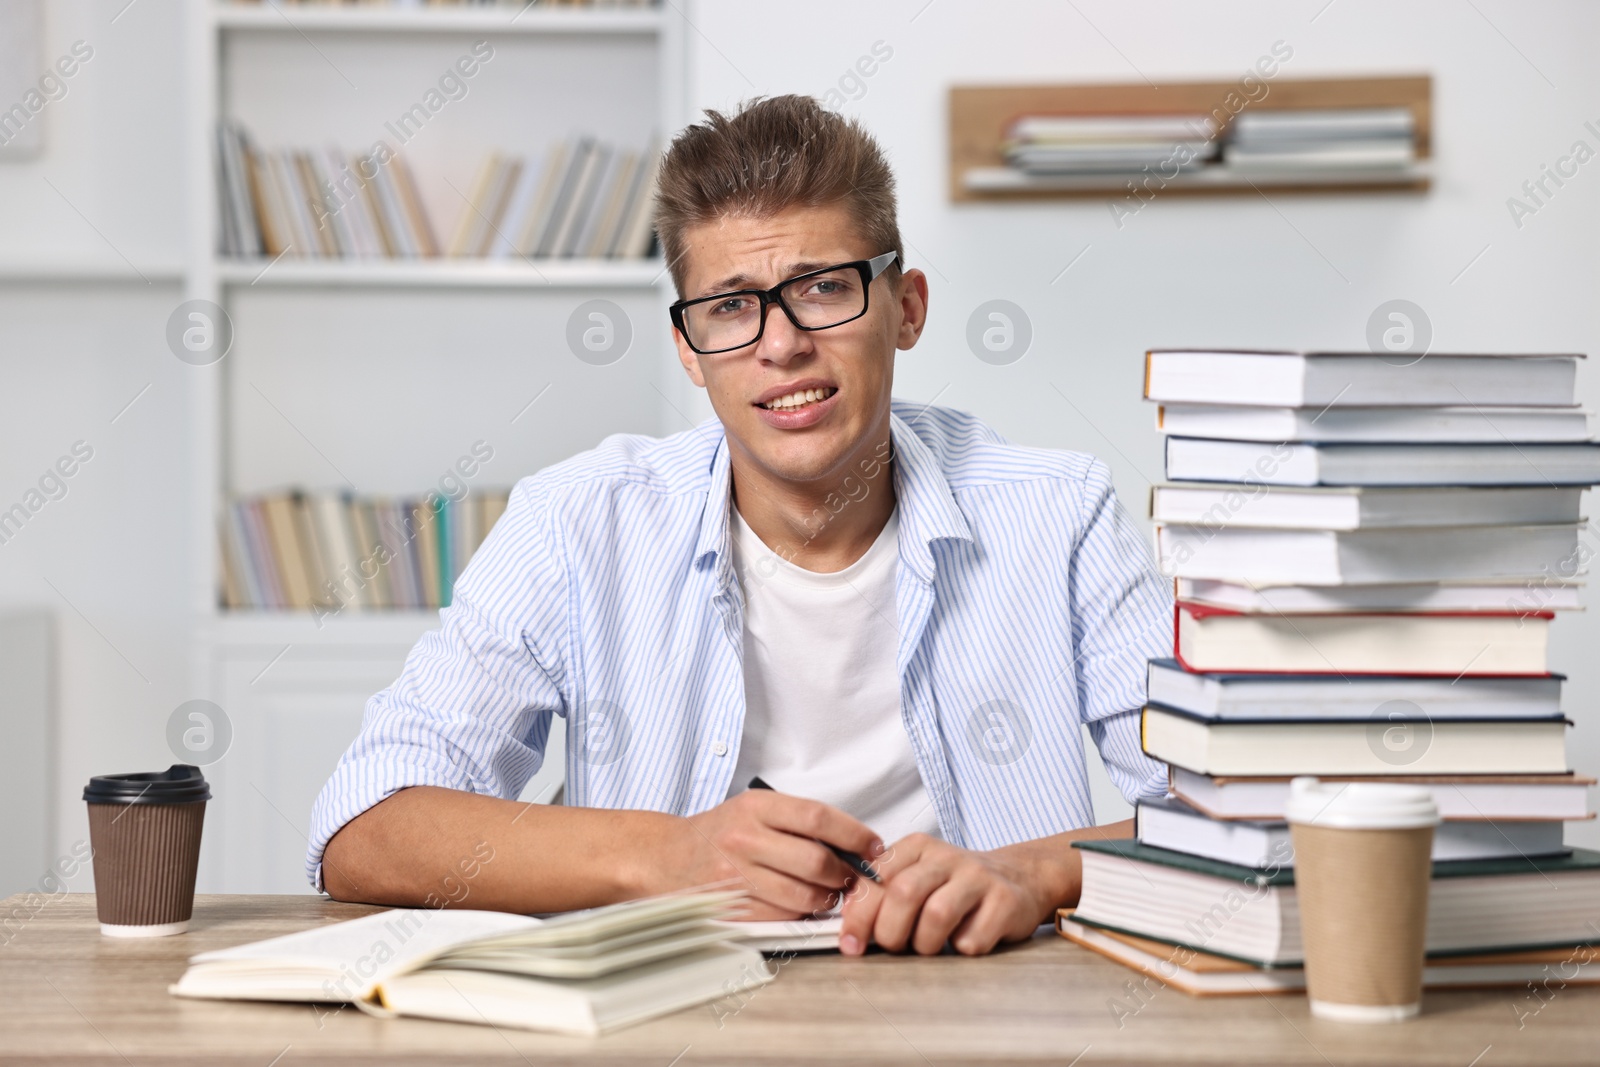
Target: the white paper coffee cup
(1363, 858)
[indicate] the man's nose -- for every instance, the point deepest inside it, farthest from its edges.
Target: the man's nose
(781, 340)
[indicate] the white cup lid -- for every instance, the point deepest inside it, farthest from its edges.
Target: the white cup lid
(1361, 805)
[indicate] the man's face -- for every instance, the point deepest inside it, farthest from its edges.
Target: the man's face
(852, 364)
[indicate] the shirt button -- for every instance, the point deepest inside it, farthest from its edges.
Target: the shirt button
(719, 748)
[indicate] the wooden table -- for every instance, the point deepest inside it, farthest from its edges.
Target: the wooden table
(68, 995)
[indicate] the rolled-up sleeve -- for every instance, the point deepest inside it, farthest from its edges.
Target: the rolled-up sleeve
(472, 707)
(1121, 619)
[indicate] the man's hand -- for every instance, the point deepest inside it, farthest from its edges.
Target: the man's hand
(774, 844)
(934, 892)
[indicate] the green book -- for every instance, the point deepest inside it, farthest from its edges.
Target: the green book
(1579, 859)
(441, 522)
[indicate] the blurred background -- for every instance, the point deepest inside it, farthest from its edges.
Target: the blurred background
(470, 293)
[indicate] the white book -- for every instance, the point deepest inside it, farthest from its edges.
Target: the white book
(583, 199)
(1215, 639)
(1273, 695)
(507, 182)
(1459, 797)
(1495, 904)
(1475, 746)
(1102, 128)
(1172, 824)
(567, 191)
(1307, 463)
(634, 241)
(1218, 504)
(290, 190)
(1545, 593)
(1364, 557)
(396, 222)
(1259, 124)
(1319, 155)
(582, 973)
(1358, 379)
(518, 208)
(1492, 423)
(552, 175)
(814, 934)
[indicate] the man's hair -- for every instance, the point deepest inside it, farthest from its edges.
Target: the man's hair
(774, 154)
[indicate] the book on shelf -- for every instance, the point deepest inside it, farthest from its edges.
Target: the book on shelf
(1321, 125)
(1347, 464)
(1308, 379)
(1368, 556)
(1251, 914)
(1356, 507)
(1203, 974)
(1491, 423)
(1108, 144)
(1545, 593)
(1461, 797)
(328, 552)
(1455, 645)
(1173, 825)
(1248, 696)
(582, 198)
(1396, 742)
(581, 973)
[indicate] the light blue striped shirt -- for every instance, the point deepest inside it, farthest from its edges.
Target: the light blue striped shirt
(1028, 604)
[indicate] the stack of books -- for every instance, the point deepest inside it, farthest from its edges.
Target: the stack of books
(317, 204)
(333, 552)
(1109, 144)
(1321, 139)
(583, 198)
(1367, 558)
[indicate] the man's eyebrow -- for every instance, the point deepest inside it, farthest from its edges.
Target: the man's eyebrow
(747, 281)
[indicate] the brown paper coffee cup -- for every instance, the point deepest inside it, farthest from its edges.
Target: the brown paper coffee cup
(145, 830)
(1362, 867)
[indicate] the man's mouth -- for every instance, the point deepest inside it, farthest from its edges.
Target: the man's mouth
(799, 399)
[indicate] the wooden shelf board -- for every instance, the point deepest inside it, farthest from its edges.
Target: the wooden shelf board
(1216, 179)
(979, 116)
(496, 19)
(442, 273)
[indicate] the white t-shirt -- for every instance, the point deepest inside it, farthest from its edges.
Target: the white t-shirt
(822, 691)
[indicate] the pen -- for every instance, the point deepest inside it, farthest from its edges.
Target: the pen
(859, 865)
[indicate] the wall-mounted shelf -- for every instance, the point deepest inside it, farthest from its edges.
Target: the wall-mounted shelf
(312, 18)
(979, 116)
(442, 273)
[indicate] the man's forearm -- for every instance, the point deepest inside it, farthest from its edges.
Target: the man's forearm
(432, 847)
(1053, 865)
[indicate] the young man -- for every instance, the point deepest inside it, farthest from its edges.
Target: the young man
(898, 619)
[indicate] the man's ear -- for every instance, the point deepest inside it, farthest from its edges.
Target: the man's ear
(690, 361)
(913, 293)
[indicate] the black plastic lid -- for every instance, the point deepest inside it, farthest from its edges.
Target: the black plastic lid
(178, 784)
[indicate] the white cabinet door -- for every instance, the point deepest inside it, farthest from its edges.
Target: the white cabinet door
(292, 717)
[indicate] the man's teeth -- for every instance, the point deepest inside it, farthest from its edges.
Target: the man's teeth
(794, 400)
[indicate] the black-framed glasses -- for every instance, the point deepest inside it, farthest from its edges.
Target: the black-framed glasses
(819, 300)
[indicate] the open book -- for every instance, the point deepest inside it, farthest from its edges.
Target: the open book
(579, 973)
(815, 934)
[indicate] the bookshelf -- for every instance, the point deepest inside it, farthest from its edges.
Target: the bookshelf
(979, 115)
(370, 374)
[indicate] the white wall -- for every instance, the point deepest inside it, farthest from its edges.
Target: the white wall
(1512, 91)
(107, 559)
(1513, 86)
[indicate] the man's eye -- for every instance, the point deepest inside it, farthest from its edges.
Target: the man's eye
(731, 306)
